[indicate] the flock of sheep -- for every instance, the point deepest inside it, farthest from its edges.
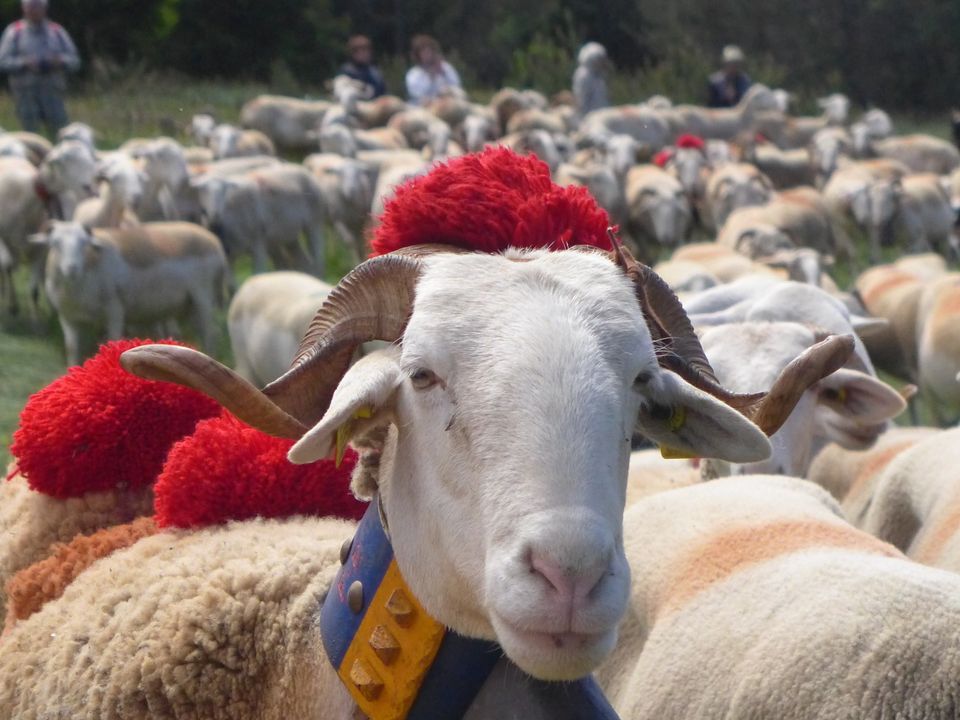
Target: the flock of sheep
(819, 580)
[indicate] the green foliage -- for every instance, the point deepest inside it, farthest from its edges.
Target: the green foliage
(900, 54)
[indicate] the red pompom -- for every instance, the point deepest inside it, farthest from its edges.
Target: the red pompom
(694, 142)
(662, 158)
(489, 201)
(99, 428)
(228, 470)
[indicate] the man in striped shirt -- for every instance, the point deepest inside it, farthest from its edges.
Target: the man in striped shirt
(36, 53)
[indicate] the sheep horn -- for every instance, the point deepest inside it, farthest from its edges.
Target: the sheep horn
(675, 342)
(815, 363)
(373, 302)
(183, 366)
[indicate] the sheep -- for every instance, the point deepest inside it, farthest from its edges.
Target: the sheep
(938, 346)
(927, 214)
(859, 195)
(476, 131)
(201, 128)
(716, 262)
(392, 173)
(920, 153)
(893, 292)
(722, 123)
(264, 212)
(11, 147)
(341, 140)
(726, 606)
(826, 148)
(505, 583)
(100, 280)
(693, 169)
(550, 121)
(228, 141)
(143, 665)
(81, 132)
(346, 186)
(122, 187)
(67, 174)
(602, 183)
(647, 126)
(32, 521)
(267, 318)
(649, 473)
(792, 218)
(659, 215)
(288, 122)
(733, 186)
(22, 212)
(38, 147)
(850, 406)
(785, 168)
(915, 500)
(795, 133)
(850, 476)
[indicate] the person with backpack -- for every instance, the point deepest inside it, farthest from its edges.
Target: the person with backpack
(36, 53)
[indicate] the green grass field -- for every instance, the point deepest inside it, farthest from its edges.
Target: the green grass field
(145, 105)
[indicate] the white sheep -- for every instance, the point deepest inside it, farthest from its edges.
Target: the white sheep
(849, 406)
(726, 606)
(228, 141)
(658, 212)
(98, 281)
(288, 122)
(733, 186)
(722, 123)
(81, 132)
(267, 318)
(346, 186)
(551, 589)
(122, 187)
(264, 212)
(22, 212)
(68, 174)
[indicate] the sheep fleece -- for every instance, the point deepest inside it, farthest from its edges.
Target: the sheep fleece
(212, 624)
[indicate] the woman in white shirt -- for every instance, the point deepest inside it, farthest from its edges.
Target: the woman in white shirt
(431, 76)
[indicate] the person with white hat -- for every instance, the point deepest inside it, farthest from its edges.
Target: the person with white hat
(37, 53)
(728, 85)
(590, 78)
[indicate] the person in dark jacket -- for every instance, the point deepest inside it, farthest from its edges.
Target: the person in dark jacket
(37, 53)
(728, 85)
(360, 67)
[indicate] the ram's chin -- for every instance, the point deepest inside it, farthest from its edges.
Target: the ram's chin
(554, 656)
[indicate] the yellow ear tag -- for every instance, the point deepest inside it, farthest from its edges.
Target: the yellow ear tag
(345, 430)
(670, 453)
(677, 420)
(842, 396)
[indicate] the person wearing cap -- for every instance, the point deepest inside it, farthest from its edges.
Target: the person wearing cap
(590, 78)
(360, 66)
(431, 76)
(36, 53)
(728, 85)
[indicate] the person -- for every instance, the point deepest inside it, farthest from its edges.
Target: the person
(728, 85)
(431, 76)
(360, 66)
(590, 78)
(37, 53)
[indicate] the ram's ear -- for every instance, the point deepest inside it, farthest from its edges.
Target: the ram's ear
(860, 397)
(363, 399)
(687, 422)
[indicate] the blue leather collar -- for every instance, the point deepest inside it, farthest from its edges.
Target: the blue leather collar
(395, 660)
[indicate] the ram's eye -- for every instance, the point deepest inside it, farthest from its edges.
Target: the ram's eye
(423, 379)
(641, 379)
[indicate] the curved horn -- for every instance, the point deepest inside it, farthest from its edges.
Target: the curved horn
(815, 363)
(192, 369)
(373, 302)
(675, 342)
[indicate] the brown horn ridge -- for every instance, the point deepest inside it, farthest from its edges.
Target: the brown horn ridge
(678, 349)
(373, 302)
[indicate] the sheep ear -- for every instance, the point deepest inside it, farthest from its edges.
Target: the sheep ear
(860, 397)
(40, 238)
(363, 399)
(687, 422)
